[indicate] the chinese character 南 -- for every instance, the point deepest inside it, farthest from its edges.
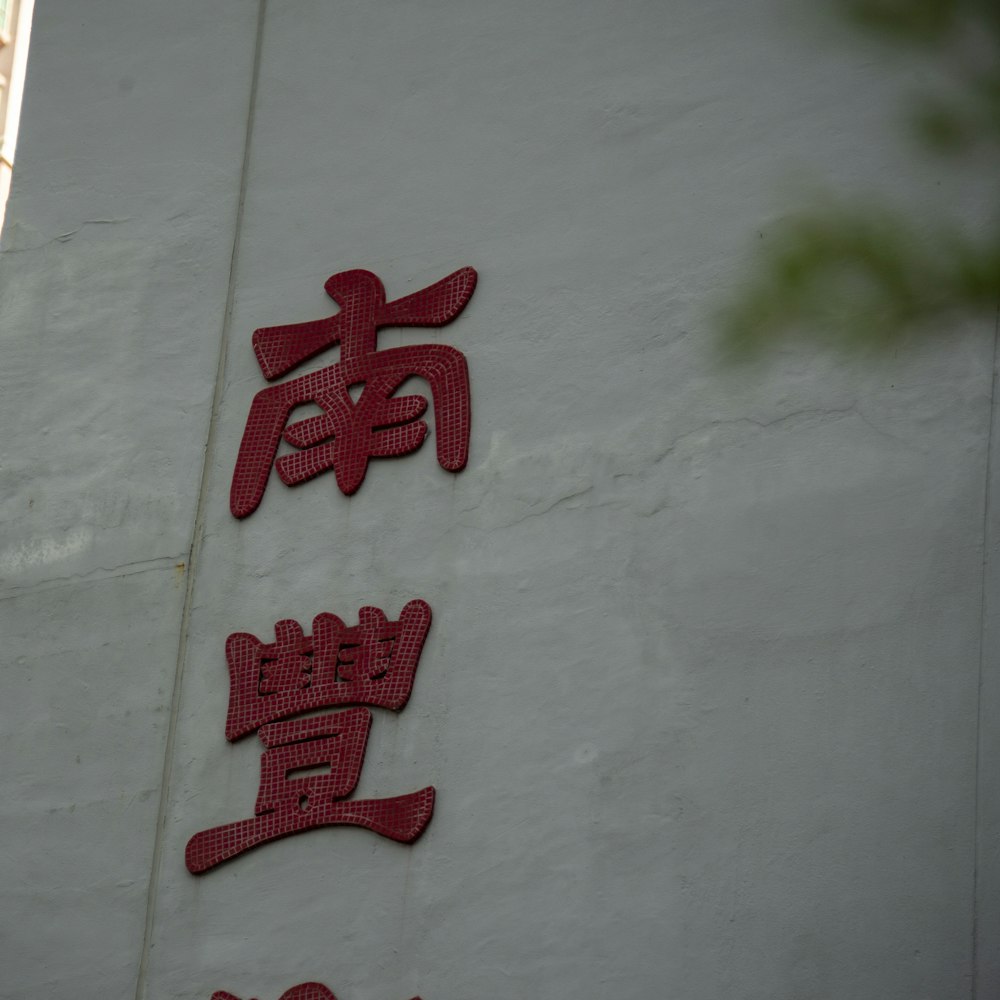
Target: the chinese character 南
(305, 991)
(348, 433)
(371, 663)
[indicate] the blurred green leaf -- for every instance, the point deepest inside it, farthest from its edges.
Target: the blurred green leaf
(858, 275)
(941, 127)
(927, 22)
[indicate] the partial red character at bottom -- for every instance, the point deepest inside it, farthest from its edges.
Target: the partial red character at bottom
(288, 804)
(305, 991)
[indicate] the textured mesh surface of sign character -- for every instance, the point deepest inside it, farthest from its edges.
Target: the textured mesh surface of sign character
(305, 991)
(348, 433)
(311, 764)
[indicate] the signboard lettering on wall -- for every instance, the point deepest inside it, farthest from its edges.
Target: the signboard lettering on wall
(349, 433)
(306, 991)
(372, 663)
(312, 763)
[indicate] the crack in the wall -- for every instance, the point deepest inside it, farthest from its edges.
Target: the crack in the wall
(65, 237)
(514, 510)
(803, 416)
(95, 575)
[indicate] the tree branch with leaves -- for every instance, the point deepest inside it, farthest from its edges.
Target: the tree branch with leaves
(860, 274)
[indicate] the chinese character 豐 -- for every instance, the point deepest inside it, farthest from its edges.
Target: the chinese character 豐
(311, 764)
(377, 424)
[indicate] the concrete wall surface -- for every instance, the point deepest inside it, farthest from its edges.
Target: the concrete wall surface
(709, 698)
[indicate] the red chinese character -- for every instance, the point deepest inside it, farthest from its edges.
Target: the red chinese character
(379, 424)
(306, 991)
(371, 663)
(310, 765)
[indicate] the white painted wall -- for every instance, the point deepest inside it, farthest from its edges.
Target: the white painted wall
(701, 695)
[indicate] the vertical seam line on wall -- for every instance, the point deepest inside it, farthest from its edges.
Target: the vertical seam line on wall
(982, 655)
(199, 520)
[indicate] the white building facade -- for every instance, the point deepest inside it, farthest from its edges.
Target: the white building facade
(709, 695)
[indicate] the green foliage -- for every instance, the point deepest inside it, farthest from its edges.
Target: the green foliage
(859, 275)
